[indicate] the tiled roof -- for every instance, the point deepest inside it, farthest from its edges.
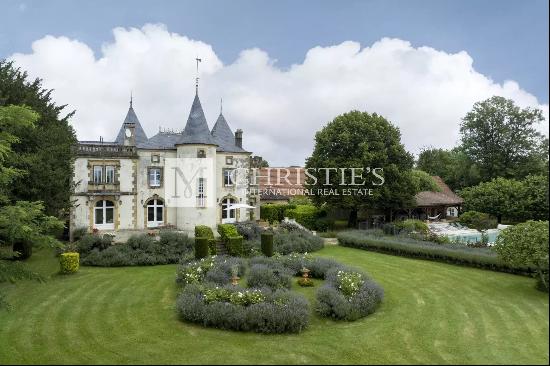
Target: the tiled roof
(131, 118)
(224, 137)
(446, 197)
(196, 130)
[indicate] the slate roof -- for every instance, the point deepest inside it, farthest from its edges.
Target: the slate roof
(131, 118)
(196, 130)
(446, 197)
(162, 141)
(224, 137)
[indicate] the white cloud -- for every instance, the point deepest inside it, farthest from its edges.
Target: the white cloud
(422, 90)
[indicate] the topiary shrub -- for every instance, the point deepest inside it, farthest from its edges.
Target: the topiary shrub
(201, 248)
(69, 262)
(274, 212)
(234, 246)
(226, 231)
(203, 231)
(267, 244)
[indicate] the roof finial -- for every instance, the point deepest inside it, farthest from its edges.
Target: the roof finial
(221, 105)
(131, 99)
(197, 78)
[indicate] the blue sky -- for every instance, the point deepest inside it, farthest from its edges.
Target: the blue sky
(506, 39)
(283, 68)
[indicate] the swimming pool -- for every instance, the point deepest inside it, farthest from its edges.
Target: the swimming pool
(457, 232)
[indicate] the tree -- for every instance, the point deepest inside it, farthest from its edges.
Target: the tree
(502, 139)
(25, 225)
(361, 140)
(453, 166)
(535, 197)
(422, 181)
(12, 118)
(526, 244)
(500, 197)
(44, 152)
(509, 198)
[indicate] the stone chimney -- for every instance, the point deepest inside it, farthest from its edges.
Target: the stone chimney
(239, 138)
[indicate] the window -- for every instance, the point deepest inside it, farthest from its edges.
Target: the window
(228, 177)
(104, 214)
(98, 174)
(201, 196)
(228, 160)
(201, 153)
(155, 158)
(155, 177)
(109, 174)
(155, 213)
(228, 214)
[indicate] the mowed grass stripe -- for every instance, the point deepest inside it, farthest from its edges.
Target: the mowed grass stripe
(432, 313)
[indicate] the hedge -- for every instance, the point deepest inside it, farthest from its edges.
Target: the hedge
(203, 231)
(308, 216)
(274, 212)
(235, 246)
(226, 231)
(456, 254)
(201, 248)
(69, 262)
(139, 250)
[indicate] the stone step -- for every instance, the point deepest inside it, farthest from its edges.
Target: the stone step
(221, 249)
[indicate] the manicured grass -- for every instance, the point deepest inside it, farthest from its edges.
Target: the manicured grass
(432, 313)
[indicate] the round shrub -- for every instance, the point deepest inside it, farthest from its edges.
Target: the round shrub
(332, 303)
(277, 312)
(69, 262)
(201, 248)
(267, 244)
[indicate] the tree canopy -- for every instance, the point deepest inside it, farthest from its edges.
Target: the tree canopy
(361, 140)
(44, 152)
(502, 139)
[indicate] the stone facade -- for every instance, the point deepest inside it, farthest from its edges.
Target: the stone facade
(122, 185)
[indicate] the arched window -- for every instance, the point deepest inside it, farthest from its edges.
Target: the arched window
(104, 215)
(155, 212)
(229, 215)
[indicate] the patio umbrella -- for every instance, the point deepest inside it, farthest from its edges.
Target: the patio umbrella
(238, 205)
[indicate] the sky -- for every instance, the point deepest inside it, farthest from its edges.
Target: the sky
(284, 69)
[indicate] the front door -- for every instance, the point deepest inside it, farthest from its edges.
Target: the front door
(155, 213)
(104, 213)
(229, 216)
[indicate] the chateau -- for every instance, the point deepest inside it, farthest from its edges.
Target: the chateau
(132, 182)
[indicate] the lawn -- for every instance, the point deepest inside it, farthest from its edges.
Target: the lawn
(432, 313)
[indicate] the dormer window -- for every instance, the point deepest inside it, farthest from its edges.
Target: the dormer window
(201, 153)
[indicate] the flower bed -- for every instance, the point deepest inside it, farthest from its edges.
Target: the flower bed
(267, 305)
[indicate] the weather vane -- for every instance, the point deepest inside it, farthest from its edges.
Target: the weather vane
(197, 78)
